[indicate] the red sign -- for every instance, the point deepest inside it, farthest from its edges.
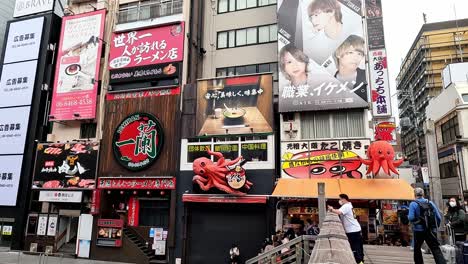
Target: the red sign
(133, 211)
(137, 184)
(146, 47)
(142, 94)
(110, 222)
(77, 71)
(95, 202)
(223, 199)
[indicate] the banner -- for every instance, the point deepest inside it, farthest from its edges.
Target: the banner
(379, 83)
(385, 129)
(10, 171)
(335, 159)
(24, 40)
(321, 55)
(150, 72)
(133, 211)
(28, 7)
(163, 44)
(66, 165)
(375, 33)
(77, 70)
(17, 83)
(235, 105)
(13, 129)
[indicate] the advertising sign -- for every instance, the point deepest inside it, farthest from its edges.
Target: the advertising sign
(389, 214)
(109, 232)
(137, 184)
(321, 55)
(163, 44)
(149, 72)
(138, 141)
(24, 40)
(60, 196)
(375, 33)
(335, 159)
(142, 94)
(28, 7)
(385, 129)
(235, 105)
(42, 225)
(77, 70)
(133, 211)
(13, 129)
(379, 83)
(66, 165)
(17, 83)
(10, 171)
(52, 226)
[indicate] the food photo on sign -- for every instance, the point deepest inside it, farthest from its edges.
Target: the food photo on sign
(321, 61)
(235, 105)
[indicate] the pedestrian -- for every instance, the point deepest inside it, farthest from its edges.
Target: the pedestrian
(234, 254)
(456, 219)
(351, 227)
(426, 218)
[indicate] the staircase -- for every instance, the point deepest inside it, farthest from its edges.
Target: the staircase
(141, 243)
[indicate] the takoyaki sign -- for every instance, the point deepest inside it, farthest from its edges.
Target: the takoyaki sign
(138, 141)
(336, 159)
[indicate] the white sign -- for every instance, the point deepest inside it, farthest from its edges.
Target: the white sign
(379, 83)
(24, 40)
(160, 247)
(13, 129)
(7, 230)
(28, 7)
(52, 226)
(60, 196)
(42, 225)
(17, 83)
(425, 174)
(10, 171)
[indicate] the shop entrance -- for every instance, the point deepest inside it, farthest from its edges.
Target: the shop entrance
(67, 231)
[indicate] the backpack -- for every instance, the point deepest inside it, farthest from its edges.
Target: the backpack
(427, 216)
(404, 216)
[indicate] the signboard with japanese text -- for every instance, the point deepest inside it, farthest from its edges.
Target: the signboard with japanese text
(42, 225)
(66, 165)
(133, 211)
(385, 129)
(142, 94)
(13, 129)
(28, 7)
(137, 184)
(375, 33)
(321, 61)
(109, 232)
(149, 72)
(163, 44)
(10, 171)
(138, 141)
(379, 83)
(235, 105)
(60, 196)
(52, 225)
(334, 159)
(24, 40)
(17, 83)
(77, 70)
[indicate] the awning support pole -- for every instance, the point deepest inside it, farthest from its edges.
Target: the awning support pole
(321, 202)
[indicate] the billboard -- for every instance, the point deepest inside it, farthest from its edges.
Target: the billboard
(17, 83)
(77, 70)
(24, 40)
(13, 129)
(235, 105)
(66, 165)
(321, 55)
(319, 159)
(10, 171)
(379, 83)
(375, 33)
(28, 7)
(385, 129)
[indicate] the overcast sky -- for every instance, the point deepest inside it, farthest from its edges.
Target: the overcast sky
(403, 20)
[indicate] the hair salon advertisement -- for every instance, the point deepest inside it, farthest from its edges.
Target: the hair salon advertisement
(321, 55)
(379, 83)
(77, 72)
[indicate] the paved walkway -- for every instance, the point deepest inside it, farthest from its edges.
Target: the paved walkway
(20, 258)
(392, 255)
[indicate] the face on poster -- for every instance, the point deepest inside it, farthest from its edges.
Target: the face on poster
(321, 55)
(77, 71)
(17, 83)
(13, 129)
(24, 40)
(10, 171)
(332, 159)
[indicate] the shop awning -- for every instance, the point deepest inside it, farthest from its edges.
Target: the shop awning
(365, 189)
(219, 198)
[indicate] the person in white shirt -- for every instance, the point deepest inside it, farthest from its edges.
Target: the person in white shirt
(351, 226)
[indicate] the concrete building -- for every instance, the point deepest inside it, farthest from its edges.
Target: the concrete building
(6, 13)
(447, 120)
(419, 80)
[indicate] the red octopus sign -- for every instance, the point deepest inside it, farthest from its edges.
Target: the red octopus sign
(381, 156)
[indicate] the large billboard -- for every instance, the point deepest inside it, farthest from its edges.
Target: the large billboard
(13, 129)
(24, 40)
(379, 83)
(319, 159)
(235, 105)
(17, 83)
(10, 171)
(321, 55)
(66, 165)
(77, 70)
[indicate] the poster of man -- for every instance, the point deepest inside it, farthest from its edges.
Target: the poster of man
(321, 55)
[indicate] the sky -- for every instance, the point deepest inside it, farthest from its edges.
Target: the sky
(403, 20)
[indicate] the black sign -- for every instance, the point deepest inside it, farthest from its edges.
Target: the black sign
(66, 165)
(143, 73)
(375, 33)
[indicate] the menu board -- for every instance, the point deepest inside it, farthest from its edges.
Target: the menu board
(109, 233)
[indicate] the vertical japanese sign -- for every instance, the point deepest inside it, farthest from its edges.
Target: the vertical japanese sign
(77, 72)
(385, 129)
(321, 55)
(133, 211)
(379, 83)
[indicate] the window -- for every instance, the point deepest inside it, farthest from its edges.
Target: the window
(316, 125)
(249, 69)
(154, 213)
(465, 98)
(247, 36)
(236, 5)
(450, 130)
(147, 9)
(88, 130)
(448, 170)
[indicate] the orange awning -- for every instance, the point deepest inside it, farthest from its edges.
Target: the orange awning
(364, 189)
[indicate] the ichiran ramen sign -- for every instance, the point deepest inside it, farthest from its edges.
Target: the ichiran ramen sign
(138, 141)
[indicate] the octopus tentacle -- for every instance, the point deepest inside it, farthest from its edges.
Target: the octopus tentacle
(232, 162)
(392, 167)
(366, 162)
(200, 178)
(369, 169)
(375, 167)
(384, 164)
(204, 187)
(218, 155)
(397, 163)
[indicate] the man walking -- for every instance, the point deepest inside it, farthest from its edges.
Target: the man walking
(351, 226)
(425, 218)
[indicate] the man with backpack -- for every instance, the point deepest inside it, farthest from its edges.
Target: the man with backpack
(425, 218)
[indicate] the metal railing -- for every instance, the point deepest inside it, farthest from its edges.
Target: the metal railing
(143, 11)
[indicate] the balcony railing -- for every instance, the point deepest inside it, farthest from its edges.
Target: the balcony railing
(143, 11)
